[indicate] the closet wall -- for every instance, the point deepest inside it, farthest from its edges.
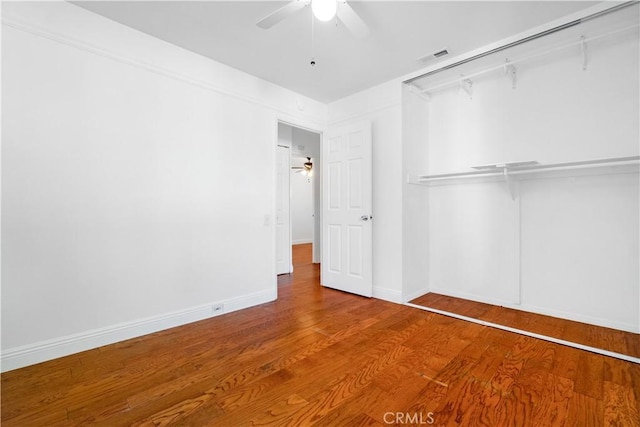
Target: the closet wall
(561, 242)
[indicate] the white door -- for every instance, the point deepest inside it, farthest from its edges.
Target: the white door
(283, 229)
(346, 220)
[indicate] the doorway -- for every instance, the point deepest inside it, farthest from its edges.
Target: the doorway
(298, 195)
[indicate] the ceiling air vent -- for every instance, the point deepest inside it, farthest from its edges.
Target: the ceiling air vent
(441, 53)
(432, 56)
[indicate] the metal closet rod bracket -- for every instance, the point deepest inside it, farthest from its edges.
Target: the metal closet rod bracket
(510, 70)
(467, 86)
(506, 168)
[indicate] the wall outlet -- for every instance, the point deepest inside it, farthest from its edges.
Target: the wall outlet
(218, 308)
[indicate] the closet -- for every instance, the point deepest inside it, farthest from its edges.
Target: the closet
(521, 174)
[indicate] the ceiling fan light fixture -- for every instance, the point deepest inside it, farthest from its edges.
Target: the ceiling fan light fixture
(324, 10)
(308, 167)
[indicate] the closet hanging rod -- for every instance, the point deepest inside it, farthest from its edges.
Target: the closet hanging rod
(455, 81)
(524, 40)
(515, 170)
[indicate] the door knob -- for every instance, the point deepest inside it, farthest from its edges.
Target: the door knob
(364, 218)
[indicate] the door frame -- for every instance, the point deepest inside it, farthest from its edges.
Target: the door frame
(287, 197)
(310, 127)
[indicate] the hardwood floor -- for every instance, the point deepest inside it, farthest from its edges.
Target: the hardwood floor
(594, 336)
(322, 357)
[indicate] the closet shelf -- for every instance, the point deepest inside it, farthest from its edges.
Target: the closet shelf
(508, 67)
(510, 170)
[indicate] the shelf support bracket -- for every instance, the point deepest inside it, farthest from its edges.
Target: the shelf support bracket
(585, 56)
(510, 70)
(467, 86)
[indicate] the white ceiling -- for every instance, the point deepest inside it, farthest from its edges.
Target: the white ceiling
(401, 32)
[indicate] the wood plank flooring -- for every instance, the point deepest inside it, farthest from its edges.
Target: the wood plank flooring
(594, 336)
(321, 357)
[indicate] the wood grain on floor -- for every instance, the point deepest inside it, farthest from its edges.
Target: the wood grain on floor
(593, 336)
(317, 356)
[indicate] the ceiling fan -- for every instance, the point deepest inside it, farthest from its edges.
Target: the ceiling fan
(306, 169)
(324, 10)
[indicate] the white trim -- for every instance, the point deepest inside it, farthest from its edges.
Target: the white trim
(301, 242)
(607, 323)
(598, 321)
(416, 294)
(474, 297)
(65, 39)
(1, 133)
(517, 237)
(316, 128)
(285, 197)
(387, 294)
(530, 334)
(598, 8)
(19, 357)
(362, 115)
(300, 123)
(395, 101)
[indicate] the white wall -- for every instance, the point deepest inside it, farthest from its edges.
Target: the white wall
(381, 105)
(133, 178)
(415, 201)
(118, 151)
(567, 243)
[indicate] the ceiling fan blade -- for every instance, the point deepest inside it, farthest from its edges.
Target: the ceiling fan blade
(282, 13)
(351, 20)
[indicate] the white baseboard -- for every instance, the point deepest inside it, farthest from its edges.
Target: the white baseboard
(387, 294)
(19, 357)
(477, 298)
(301, 242)
(416, 294)
(592, 320)
(576, 317)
